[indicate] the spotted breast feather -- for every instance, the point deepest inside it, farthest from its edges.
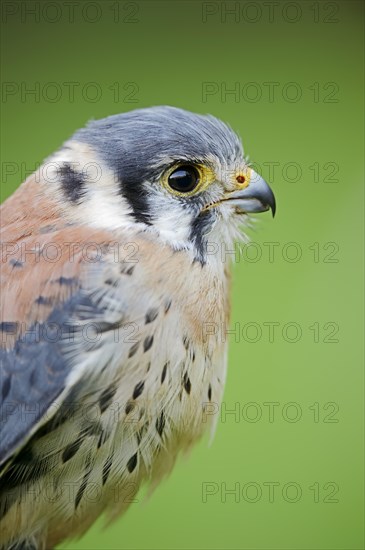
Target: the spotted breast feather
(108, 377)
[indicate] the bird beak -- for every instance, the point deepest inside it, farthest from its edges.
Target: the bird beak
(256, 197)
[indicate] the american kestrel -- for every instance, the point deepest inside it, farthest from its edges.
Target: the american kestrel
(115, 299)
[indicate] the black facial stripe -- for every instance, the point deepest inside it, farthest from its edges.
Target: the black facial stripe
(72, 183)
(135, 194)
(198, 229)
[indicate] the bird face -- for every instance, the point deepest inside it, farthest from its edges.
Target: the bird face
(165, 170)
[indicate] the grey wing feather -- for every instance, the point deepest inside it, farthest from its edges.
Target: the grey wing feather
(33, 374)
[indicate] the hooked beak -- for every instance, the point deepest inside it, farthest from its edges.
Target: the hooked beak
(256, 197)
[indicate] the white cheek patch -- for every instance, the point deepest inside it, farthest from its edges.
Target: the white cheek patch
(102, 204)
(171, 220)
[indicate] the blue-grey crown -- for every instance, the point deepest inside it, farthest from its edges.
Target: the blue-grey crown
(144, 137)
(136, 146)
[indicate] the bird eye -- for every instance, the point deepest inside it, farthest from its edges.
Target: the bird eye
(184, 179)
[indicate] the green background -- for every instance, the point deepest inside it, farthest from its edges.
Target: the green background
(168, 52)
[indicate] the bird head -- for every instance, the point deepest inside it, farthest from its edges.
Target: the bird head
(178, 174)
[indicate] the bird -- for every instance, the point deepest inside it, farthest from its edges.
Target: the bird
(115, 303)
